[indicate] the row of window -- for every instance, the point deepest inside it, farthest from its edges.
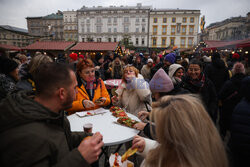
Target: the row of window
(98, 40)
(13, 36)
(46, 23)
(70, 27)
(112, 40)
(70, 36)
(172, 41)
(173, 19)
(99, 29)
(19, 44)
(137, 41)
(69, 19)
(126, 11)
(125, 20)
(174, 29)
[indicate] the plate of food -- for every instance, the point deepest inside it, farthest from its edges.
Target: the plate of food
(126, 121)
(115, 160)
(118, 112)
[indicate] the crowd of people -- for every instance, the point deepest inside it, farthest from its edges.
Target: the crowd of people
(194, 109)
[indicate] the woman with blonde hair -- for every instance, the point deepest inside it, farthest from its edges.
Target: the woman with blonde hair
(133, 92)
(186, 136)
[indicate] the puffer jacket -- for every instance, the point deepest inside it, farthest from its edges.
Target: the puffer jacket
(33, 135)
(99, 91)
(133, 96)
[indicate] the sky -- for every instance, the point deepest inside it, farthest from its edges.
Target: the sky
(14, 12)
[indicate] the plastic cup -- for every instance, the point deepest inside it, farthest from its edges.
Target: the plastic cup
(88, 127)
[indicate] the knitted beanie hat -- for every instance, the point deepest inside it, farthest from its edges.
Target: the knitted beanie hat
(161, 82)
(170, 58)
(8, 65)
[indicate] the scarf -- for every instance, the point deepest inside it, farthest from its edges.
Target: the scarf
(89, 86)
(197, 83)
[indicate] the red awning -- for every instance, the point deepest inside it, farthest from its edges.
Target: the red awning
(243, 45)
(95, 46)
(213, 45)
(50, 45)
(9, 47)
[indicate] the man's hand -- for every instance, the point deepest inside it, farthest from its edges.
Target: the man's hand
(88, 104)
(90, 148)
(97, 67)
(139, 143)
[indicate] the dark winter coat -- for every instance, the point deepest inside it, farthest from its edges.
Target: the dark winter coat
(138, 66)
(157, 67)
(26, 82)
(207, 93)
(7, 85)
(230, 95)
(217, 73)
(240, 127)
(32, 135)
(240, 136)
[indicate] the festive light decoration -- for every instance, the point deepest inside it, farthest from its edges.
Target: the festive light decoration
(119, 51)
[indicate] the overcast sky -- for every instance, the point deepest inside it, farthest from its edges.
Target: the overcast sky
(14, 12)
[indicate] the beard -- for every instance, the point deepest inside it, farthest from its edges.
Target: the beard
(67, 104)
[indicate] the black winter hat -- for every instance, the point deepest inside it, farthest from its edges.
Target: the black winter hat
(116, 55)
(8, 65)
(98, 56)
(216, 55)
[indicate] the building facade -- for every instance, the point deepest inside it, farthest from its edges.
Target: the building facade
(173, 27)
(70, 30)
(49, 27)
(234, 28)
(128, 24)
(14, 36)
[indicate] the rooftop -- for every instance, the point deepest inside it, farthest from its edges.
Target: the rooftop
(15, 29)
(138, 6)
(174, 10)
(212, 44)
(9, 47)
(50, 45)
(96, 46)
(58, 15)
(226, 21)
